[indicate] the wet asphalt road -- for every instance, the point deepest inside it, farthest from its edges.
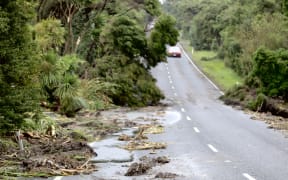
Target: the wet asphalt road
(212, 140)
(209, 140)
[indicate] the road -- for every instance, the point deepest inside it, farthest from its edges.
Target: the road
(212, 140)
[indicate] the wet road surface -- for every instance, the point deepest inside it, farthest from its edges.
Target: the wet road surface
(207, 140)
(212, 140)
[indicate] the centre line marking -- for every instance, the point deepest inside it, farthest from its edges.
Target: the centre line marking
(168, 72)
(173, 87)
(58, 178)
(175, 94)
(169, 77)
(212, 148)
(196, 130)
(188, 118)
(182, 109)
(248, 176)
(170, 82)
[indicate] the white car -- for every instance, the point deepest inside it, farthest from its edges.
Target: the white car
(174, 51)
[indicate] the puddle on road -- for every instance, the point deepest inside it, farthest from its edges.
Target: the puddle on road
(167, 117)
(171, 117)
(112, 161)
(110, 147)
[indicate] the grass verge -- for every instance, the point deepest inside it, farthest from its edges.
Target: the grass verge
(213, 67)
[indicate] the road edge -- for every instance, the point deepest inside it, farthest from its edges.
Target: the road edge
(203, 74)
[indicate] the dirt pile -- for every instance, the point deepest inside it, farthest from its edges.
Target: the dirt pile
(145, 165)
(64, 151)
(47, 156)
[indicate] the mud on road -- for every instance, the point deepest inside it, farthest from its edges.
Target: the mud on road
(67, 152)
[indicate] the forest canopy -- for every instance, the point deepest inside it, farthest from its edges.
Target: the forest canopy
(249, 36)
(67, 55)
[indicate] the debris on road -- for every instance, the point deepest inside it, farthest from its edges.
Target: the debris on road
(138, 169)
(145, 145)
(145, 165)
(124, 137)
(154, 129)
(166, 175)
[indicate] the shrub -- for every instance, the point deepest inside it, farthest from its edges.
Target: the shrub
(271, 69)
(258, 103)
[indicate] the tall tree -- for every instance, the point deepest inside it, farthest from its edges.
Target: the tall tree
(18, 63)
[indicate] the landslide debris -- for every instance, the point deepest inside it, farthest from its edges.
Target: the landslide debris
(145, 164)
(47, 156)
(273, 111)
(140, 140)
(166, 175)
(59, 149)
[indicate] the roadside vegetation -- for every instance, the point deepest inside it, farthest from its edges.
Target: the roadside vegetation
(249, 37)
(73, 56)
(214, 67)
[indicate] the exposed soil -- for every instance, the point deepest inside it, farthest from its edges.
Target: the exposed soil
(64, 153)
(46, 156)
(272, 111)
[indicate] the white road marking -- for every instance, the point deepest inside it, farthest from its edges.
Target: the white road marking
(182, 109)
(168, 72)
(175, 94)
(169, 77)
(248, 176)
(58, 178)
(171, 82)
(188, 118)
(173, 87)
(196, 130)
(212, 148)
(194, 65)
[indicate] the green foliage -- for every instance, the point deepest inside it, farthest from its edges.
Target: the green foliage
(124, 57)
(60, 84)
(285, 7)
(41, 123)
(152, 7)
(215, 68)
(18, 64)
(163, 33)
(128, 37)
(235, 28)
(135, 85)
(265, 30)
(206, 33)
(271, 68)
(97, 93)
(258, 103)
(49, 34)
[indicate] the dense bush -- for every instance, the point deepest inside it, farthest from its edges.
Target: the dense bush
(271, 68)
(258, 103)
(18, 64)
(135, 86)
